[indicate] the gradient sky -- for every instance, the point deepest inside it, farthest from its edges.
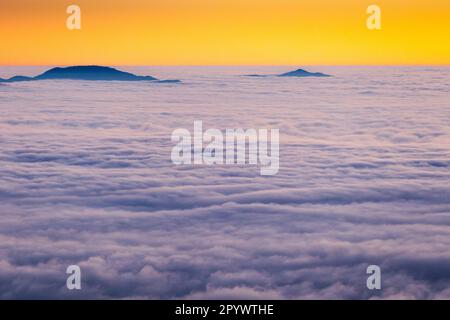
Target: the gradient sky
(224, 32)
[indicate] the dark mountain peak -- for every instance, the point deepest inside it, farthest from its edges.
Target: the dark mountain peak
(88, 73)
(303, 73)
(295, 73)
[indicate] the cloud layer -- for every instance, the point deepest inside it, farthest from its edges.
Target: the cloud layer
(86, 179)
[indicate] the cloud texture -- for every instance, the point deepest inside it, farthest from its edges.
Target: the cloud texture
(86, 179)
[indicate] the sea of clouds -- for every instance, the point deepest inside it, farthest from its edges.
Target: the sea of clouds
(86, 178)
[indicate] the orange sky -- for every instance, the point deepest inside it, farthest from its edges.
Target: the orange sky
(224, 32)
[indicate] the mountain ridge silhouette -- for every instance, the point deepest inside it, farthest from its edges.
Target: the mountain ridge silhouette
(300, 73)
(303, 73)
(91, 72)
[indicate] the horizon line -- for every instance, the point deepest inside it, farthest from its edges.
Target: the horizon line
(230, 65)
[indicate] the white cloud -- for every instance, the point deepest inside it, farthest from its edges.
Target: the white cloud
(86, 179)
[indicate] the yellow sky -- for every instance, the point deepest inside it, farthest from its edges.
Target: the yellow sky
(224, 32)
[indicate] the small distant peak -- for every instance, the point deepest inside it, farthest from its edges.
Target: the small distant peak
(295, 73)
(303, 73)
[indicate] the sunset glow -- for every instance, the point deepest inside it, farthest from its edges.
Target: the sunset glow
(224, 32)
